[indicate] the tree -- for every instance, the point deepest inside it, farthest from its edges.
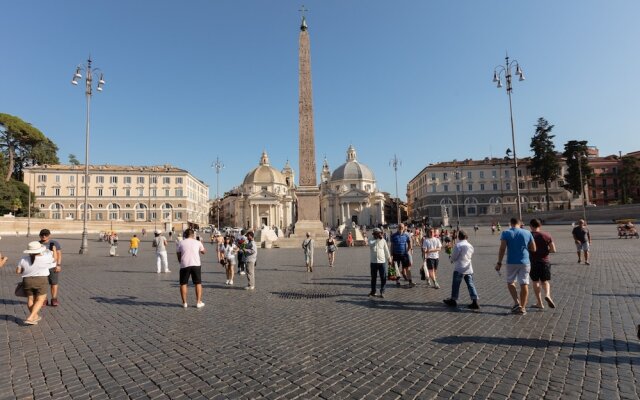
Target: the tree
(13, 195)
(22, 144)
(544, 164)
(73, 160)
(629, 177)
(575, 154)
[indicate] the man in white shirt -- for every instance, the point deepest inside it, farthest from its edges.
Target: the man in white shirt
(189, 250)
(431, 247)
(461, 258)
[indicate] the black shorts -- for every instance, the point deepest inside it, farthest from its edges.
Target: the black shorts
(540, 271)
(193, 272)
(53, 277)
(402, 259)
(432, 263)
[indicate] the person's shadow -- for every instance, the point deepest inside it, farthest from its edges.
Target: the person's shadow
(132, 301)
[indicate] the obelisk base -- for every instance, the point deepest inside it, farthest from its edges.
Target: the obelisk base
(309, 213)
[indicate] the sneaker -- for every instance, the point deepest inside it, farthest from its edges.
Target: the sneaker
(230, 283)
(249, 287)
(185, 305)
(450, 302)
(587, 263)
(200, 304)
(429, 282)
(226, 282)
(522, 311)
(474, 305)
(515, 309)
(382, 297)
(372, 294)
(158, 272)
(167, 272)
(411, 284)
(55, 302)
(550, 302)
(436, 285)
(242, 273)
(398, 282)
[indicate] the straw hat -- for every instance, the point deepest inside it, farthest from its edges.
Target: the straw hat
(34, 248)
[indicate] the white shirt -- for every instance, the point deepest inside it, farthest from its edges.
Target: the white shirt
(379, 251)
(432, 244)
(461, 257)
(190, 252)
(230, 252)
(40, 266)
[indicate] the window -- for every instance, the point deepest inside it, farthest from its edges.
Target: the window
(88, 178)
(506, 173)
(113, 179)
(57, 178)
(433, 176)
(127, 179)
(495, 186)
(113, 215)
(100, 192)
(140, 192)
(433, 188)
(178, 215)
(72, 178)
(154, 192)
(457, 187)
(179, 181)
(494, 174)
(353, 186)
(72, 191)
(98, 216)
(167, 192)
(56, 192)
(263, 188)
(140, 179)
(482, 186)
(166, 180)
(114, 192)
(469, 174)
(470, 187)
(445, 188)
(127, 192)
(154, 215)
(507, 186)
(179, 193)
(445, 176)
(519, 172)
(42, 191)
(140, 215)
(153, 179)
(126, 216)
(604, 181)
(481, 174)
(99, 179)
(521, 185)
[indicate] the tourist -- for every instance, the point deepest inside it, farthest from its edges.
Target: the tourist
(3, 259)
(188, 252)
(241, 241)
(229, 251)
(349, 240)
(113, 244)
(134, 243)
(379, 256)
(54, 247)
(251, 255)
(34, 268)
(331, 249)
(582, 237)
(462, 269)
(431, 247)
(517, 243)
(307, 247)
(400, 251)
(540, 265)
(160, 244)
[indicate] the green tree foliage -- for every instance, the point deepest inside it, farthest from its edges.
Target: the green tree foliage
(544, 164)
(22, 144)
(575, 152)
(73, 160)
(629, 177)
(14, 197)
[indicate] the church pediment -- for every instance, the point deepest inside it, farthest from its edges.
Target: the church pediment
(354, 193)
(264, 195)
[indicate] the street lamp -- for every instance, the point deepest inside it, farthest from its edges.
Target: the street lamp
(395, 162)
(88, 91)
(457, 183)
(219, 166)
(506, 70)
(578, 157)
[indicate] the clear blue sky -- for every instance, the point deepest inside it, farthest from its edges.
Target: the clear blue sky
(191, 80)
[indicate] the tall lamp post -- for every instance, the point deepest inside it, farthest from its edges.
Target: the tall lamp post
(395, 162)
(498, 72)
(457, 183)
(84, 247)
(219, 166)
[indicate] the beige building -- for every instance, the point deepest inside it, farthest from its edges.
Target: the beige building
(266, 198)
(472, 188)
(119, 193)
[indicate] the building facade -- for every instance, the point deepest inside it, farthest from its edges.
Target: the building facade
(480, 187)
(349, 194)
(119, 193)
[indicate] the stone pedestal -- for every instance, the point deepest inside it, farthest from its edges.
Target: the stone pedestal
(309, 213)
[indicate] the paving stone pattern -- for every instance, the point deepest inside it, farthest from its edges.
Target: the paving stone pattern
(121, 332)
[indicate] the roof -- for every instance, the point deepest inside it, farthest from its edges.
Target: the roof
(352, 169)
(264, 173)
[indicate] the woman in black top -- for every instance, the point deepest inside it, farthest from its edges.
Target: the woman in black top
(331, 249)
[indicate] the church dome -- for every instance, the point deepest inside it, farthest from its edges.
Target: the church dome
(352, 169)
(264, 174)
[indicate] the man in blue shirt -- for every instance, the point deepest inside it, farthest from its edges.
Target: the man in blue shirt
(401, 253)
(517, 243)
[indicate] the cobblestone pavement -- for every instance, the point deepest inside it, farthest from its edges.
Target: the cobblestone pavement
(120, 331)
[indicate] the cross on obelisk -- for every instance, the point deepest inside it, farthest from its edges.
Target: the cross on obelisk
(308, 193)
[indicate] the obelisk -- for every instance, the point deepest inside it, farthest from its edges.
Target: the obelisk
(308, 193)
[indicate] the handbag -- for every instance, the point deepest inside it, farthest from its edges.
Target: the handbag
(392, 274)
(20, 292)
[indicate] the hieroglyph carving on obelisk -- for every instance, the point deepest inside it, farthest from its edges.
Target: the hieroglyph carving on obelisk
(307, 150)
